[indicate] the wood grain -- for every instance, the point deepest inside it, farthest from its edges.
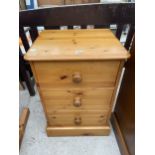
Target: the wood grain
(86, 33)
(42, 3)
(108, 13)
(79, 45)
(59, 74)
(91, 99)
(79, 131)
(77, 74)
(125, 106)
(40, 92)
(116, 88)
(69, 2)
(119, 136)
(67, 118)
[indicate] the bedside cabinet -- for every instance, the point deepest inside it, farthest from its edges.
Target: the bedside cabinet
(77, 73)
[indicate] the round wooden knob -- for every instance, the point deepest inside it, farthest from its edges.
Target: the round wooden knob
(77, 120)
(77, 102)
(77, 77)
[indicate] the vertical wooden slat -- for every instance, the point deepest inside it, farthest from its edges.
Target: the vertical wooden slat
(97, 26)
(33, 33)
(101, 26)
(24, 38)
(119, 31)
(129, 37)
(83, 26)
(52, 27)
(70, 27)
(24, 74)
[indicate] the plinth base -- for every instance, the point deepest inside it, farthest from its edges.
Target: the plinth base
(78, 131)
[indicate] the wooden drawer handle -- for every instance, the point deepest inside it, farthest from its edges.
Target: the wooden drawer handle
(77, 78)
(77, 102)
(77, 120)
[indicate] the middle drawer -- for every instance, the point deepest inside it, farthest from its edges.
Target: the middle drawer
(77, 99)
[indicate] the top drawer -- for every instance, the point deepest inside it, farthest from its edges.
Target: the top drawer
(76, 74)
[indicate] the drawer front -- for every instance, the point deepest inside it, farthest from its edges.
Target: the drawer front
(77, 99)
(77, 118)
(76, 74)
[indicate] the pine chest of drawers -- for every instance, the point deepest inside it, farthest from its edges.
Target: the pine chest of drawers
(77, 73)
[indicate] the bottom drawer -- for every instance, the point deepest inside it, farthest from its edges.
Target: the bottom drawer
(77, 118)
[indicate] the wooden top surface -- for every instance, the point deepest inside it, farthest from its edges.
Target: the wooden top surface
(88, 44)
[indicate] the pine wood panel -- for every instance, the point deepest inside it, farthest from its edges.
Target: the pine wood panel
(67, 118)
(64, 99)
(60, 74)
(69, 2)
(79, 131)
(46, 3)
(86, 33)
(115, 88)
(39, 91)
(77, 48)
